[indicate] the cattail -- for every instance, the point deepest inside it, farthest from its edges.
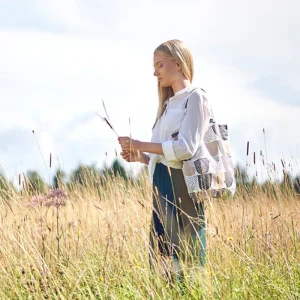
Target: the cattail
(25, 183)
(254, 157)
(282, 163)
(263, 130)
(236, 172)
(19, 179)
(32, 131)
(247, 148)
(50, 162)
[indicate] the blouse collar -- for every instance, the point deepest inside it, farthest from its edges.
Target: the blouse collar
(181, 93)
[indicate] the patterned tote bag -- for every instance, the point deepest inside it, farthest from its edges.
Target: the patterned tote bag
(211, 169)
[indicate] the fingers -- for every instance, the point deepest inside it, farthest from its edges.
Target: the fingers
(125, 142)
(125, 155)
(123, 139)
(128, 156)
(126, 147)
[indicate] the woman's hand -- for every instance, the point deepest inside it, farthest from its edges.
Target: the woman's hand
(131, 156)
(131, 150)
(129, 144)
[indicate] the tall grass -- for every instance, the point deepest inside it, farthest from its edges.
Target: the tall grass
(96, 246)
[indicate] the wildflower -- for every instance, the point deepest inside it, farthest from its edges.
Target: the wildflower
(37, 200)
(56, 203)
(56, 198)
(57, 193)
(230, 238)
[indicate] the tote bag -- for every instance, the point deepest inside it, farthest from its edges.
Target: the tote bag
(210, 170)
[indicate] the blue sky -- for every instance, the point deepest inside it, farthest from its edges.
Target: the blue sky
(59, 59)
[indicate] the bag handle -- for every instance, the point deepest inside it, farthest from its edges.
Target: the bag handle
(173, 135)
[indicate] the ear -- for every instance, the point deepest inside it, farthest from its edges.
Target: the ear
(178, 67)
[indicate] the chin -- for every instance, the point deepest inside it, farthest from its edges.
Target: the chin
(163, 85)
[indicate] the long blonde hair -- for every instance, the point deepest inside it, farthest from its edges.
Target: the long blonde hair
(174, 49)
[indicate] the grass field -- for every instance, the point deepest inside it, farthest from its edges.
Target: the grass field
(94, 245)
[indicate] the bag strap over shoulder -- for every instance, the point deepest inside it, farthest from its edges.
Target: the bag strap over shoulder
(185, 107)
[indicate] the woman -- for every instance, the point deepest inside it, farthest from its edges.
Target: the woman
(178, 222)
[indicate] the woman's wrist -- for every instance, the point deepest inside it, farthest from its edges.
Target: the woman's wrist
(155, 148)
(144, 158)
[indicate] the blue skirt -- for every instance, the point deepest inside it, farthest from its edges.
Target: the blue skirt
(178, 223)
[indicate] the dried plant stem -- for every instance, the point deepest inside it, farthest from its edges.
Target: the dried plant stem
(40, 150)
(268, 173)
(57, 232)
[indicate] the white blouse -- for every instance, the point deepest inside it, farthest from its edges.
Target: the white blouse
(191, 131)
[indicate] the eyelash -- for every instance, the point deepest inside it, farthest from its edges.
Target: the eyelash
(160, 66)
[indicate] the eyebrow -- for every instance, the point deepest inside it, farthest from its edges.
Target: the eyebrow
(157, 63)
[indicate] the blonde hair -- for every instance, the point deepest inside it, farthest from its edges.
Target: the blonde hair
(174, 49)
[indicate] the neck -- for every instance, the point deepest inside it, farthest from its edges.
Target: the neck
(179, 85)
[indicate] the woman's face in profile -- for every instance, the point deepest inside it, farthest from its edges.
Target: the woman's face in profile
(165, 69)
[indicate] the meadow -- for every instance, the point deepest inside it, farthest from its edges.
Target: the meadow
(90, 241)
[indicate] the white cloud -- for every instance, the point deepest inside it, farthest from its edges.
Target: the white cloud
(54, 82)
(67, 13)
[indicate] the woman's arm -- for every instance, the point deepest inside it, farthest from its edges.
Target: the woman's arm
(190, 133)
(155, 148)
(128, 144)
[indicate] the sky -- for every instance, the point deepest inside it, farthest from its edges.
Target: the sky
(60, 59)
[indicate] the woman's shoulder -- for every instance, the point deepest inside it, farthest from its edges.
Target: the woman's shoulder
(199, 93)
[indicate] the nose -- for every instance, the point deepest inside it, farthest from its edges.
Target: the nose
(155, 73)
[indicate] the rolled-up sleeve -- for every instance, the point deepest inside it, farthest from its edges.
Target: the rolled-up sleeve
(168, 150)
(192, 130)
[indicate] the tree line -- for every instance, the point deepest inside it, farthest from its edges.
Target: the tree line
(89, 176)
